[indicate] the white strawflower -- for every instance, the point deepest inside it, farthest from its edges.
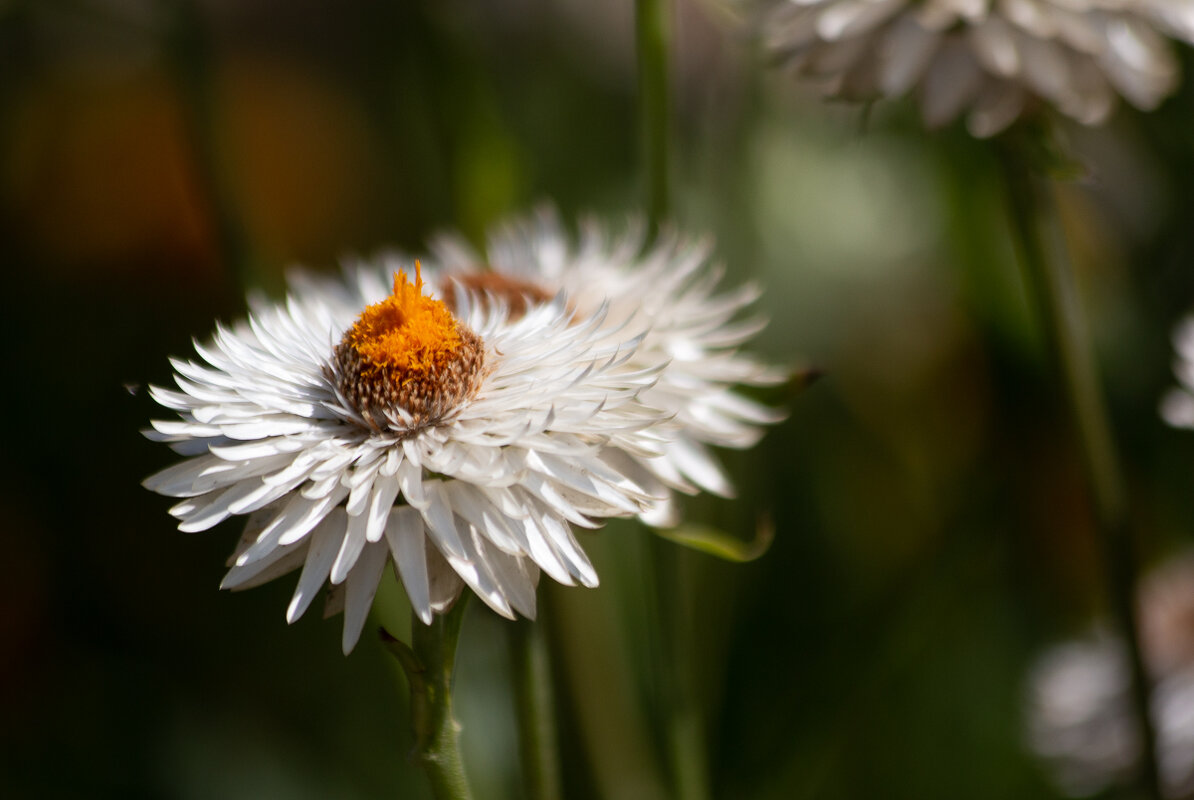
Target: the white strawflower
(690, 329)
(1080, 720)
(356, 426)
(989, 59)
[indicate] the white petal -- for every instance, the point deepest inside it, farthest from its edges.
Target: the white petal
(995, 109)
(440, 525)
(410, 479)
(350, 549)
(445, 584)
(360, 493)
(317, 511)
(277, 564)
(407, 541)
(476, 572)
(325, 544)
(695, 462)
(994, 43)
(214, 508)
(949, 84)
(178, 479)
(854, 17)
(561, 538)
(385, 491)
(259, 449)
(360, 589)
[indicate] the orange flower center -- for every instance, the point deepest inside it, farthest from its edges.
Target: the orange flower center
(408, 331)
(406, 362)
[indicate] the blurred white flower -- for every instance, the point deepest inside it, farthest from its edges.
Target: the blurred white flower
(1080, 720)
(356, 427)
(989, 59)
(668, 292)
(1177, 407)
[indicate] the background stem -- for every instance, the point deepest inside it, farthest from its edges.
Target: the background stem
(534, 694)
(193, 69)
(1052, 292)
(678, 717)
(652, 35)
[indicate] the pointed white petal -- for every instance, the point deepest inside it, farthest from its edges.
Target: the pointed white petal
(350, 549)
(407, 541)
(360, 589)
(385, 491)
(325, 544)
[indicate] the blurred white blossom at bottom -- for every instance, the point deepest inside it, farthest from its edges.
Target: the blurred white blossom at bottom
(1080, 720)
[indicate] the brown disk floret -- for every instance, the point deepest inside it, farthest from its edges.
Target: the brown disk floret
(517, 295)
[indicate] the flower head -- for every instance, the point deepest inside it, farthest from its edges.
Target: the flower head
(989, 59)
(668, 293)
(357, 425)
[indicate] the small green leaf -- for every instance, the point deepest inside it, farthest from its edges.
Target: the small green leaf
(721, 544)
(411, 665)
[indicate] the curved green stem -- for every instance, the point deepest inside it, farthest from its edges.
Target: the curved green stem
(1053, 294)
(428, 664)
(534, 698)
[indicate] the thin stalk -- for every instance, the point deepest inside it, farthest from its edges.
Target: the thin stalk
(671, 638)
(428, 663)
(669, 641)
(684, 718)
(192, 66)
(534, 695)
(652, 35)
(1050, 284)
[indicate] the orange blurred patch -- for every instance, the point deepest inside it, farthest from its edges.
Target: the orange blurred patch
(102, 172)
(301, 160)
(108, 172)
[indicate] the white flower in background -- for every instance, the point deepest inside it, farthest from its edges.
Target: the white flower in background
(988, 59)
(356, 427)
(1080, 721)
(670, 291)
(1177, 407)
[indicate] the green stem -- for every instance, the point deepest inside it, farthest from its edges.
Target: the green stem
(680, 723)
(534, 694)
(191, 62)
(680, 720)
(1053, 294)
(428, 663)
(672, 647)
(652, 32)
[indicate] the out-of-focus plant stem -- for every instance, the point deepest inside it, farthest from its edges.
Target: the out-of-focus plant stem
(190, 54)
(652, 36)
(671, 638)
(534, 696)
(1052, 292)
(428, 664)
(683, 719)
